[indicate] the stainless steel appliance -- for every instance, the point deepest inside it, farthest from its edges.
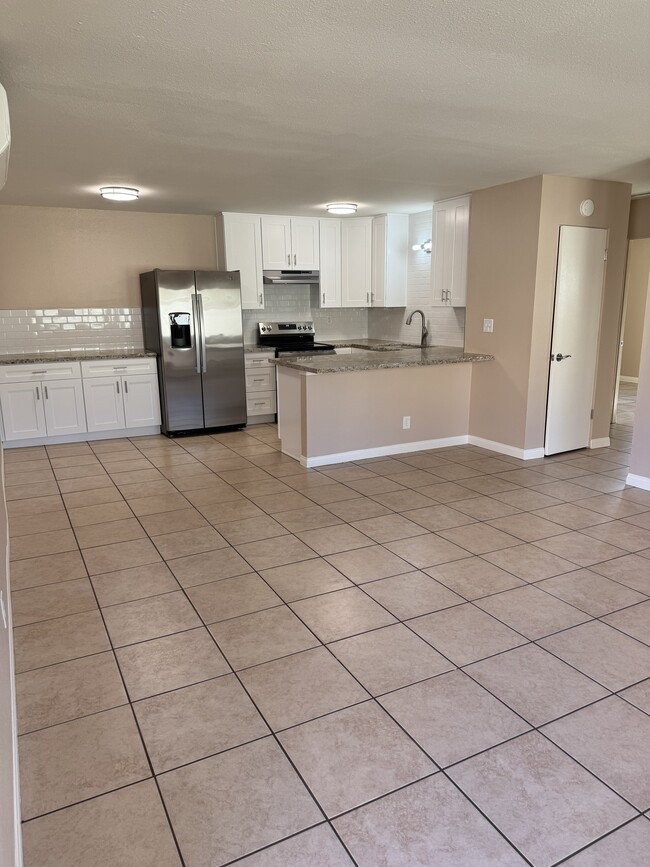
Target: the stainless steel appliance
(193, 321)
(289, 338)
(287, 277)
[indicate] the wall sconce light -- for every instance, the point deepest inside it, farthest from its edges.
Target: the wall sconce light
(426, 246)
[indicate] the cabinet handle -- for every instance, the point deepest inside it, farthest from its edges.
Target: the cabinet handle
(118, 386)
(323, 297)
(120, 368)
(289, 259)
(126, 387)
(258, 379)
(295, 259)
(47, 397)
(38, 393)
(367, 297)
(261, 300)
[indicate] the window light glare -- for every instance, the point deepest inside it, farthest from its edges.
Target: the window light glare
(341, 208)
(119, 194)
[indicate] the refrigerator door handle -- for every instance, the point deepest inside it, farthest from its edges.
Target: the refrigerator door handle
(204, 352)
(197, 331)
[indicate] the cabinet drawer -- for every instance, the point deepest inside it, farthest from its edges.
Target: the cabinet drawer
(258, 359)
(260, 380)
(261, 404)
(117, 367)
(36, 372)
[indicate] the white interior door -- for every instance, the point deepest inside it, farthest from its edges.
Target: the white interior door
(574, 345)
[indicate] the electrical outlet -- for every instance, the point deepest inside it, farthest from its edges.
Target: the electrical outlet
(406, 422)
(488, 325)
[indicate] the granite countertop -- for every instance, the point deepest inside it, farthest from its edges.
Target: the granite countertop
(396, 358)
(49, 357)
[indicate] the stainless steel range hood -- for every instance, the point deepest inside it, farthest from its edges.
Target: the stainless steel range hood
(286, 277)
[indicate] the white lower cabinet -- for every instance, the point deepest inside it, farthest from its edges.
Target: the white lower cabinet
(62, 401)
(261, 403)
(119, 396)
(64, 407)
(141, 401)
(23, 415)
(104, 404)
(39, 401)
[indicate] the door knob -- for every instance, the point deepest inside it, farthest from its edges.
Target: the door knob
(559, 357)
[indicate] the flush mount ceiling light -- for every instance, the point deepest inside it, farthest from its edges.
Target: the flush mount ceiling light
(119, 194)
(426, 246)
(341, 208)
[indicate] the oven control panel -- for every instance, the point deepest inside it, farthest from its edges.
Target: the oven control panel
(285, 329)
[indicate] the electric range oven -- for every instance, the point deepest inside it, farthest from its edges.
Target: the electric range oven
(291, 338)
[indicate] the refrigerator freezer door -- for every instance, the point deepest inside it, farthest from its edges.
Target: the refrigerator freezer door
(222, 348)
(182, 399)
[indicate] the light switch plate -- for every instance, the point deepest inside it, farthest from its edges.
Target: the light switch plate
(488, 325)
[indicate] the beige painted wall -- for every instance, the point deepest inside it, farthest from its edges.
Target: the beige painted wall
(640, 457)
(514, 231)
(636, 283)
(9, 806)
(504, 229)
(639, 218)
(65, 257)
(370, 405)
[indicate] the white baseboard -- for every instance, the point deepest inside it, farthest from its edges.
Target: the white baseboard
(629, 378)
(504, 449)
(85, 437)
(635, 481)
(600, 443)
(383, 451)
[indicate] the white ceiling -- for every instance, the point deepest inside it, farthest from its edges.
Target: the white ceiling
(284, 105)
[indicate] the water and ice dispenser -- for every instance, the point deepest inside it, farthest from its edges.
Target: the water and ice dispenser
(180, 330)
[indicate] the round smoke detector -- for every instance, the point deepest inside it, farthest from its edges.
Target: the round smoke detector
(587, 208)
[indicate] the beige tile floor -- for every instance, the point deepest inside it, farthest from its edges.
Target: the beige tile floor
(432, 659)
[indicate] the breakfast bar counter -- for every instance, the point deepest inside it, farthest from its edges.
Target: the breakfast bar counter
(337, 408)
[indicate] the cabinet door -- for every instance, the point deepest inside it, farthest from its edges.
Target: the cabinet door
(330, 263)
(442, 253)
(379, 225)
(141, 401)
(450, 246)
(305, 243)
(104, 404)
(459, 228)
(243, 253)
(64, 407)
(356, 261)
(276, 243)
(22, 411)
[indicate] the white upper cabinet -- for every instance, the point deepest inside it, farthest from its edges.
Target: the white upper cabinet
(290, 243)
(276, 243)
(305, 244)
(450, 234)
(356, 261)
(241, 250)
(330, 263)
(390, 237)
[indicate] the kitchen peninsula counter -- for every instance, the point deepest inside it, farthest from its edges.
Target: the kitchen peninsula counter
(392, 357)
(333, 409)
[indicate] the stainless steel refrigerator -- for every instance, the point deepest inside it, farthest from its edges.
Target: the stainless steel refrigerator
(193, 322)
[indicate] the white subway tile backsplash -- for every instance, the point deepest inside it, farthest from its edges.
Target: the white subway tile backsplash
(70, 330)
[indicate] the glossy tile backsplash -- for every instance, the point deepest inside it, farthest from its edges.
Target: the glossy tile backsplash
(70, 330)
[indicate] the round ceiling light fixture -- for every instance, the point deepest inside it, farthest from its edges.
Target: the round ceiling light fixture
(341, 208)
(119, 194)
